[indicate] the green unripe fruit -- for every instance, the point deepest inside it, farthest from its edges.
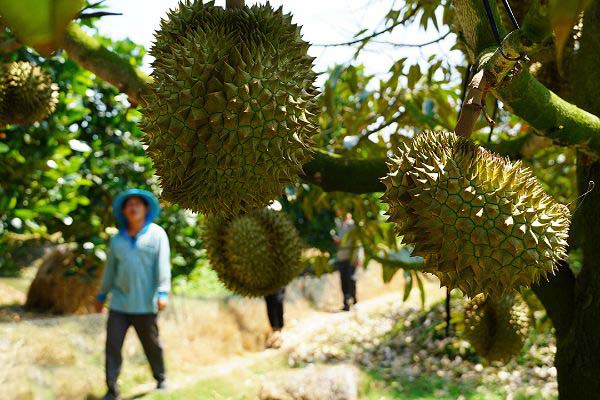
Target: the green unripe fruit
(230, 114)
(496, 328)
(481, 223)
(28, 94)
(40, 24)
(254, 254)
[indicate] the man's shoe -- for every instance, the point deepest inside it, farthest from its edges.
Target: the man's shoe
(346, 307)
(161, 385)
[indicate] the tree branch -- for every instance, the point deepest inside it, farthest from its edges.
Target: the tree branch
(550, 115)
(335, 173)
(90, 54)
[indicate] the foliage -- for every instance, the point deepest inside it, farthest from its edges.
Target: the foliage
(62, 174)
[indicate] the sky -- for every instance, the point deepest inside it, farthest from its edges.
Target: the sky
(323, 21)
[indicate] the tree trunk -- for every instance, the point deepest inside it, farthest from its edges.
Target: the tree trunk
(578, 348)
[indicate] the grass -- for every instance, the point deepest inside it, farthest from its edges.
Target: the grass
(245, 385)
(241, 384)
(375, 387)
(201, 282)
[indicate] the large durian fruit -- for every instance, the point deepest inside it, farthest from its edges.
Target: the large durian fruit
(481, 222)
(254, 254)
(496, 328)
(231, 111)
(28, 94)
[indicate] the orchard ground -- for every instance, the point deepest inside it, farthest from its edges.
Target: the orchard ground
(215, 348)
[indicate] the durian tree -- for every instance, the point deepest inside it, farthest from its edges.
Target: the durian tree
(244, 104)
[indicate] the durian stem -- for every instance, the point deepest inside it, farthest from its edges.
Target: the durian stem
(472, 105)
(234, 4)
(448, 310)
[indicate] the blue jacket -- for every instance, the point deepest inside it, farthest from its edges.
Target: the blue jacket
(138, 269)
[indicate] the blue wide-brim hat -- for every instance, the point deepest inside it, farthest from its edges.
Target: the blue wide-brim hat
(151, 200)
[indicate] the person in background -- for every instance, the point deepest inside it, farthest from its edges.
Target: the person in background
(138, 278)
(347, 258)
(275, 313)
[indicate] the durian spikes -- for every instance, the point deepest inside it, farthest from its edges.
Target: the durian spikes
(27, 93)
(231, 111)
(254, 254)
(481, 223)
(496, 328)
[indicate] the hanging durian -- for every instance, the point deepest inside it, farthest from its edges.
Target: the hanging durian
(481, 222)
(28, 94)
(254, 254)
(231, 111)
(496, 328)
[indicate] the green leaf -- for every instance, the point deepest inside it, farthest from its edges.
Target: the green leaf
(414, 74)
(24, 213)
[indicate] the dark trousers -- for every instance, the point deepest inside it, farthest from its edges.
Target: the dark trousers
(275, 309)
(348, 277)
(147, 330)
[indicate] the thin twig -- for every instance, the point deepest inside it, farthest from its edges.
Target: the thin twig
(375, 34)
(439, 39)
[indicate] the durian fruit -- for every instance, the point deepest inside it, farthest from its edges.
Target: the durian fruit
(496, 328)
(254, 254)
(231, 112)
(481, 222)
(28, 93)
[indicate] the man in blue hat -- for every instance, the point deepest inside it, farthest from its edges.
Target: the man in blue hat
(138, 278)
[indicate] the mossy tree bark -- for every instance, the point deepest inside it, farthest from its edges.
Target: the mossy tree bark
(578, 343)
(578, 348)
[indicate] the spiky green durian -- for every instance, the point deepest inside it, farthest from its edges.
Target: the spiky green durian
(254, 254)
(496, 328)
(28, 93)
(231, 110)
(481, 222)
